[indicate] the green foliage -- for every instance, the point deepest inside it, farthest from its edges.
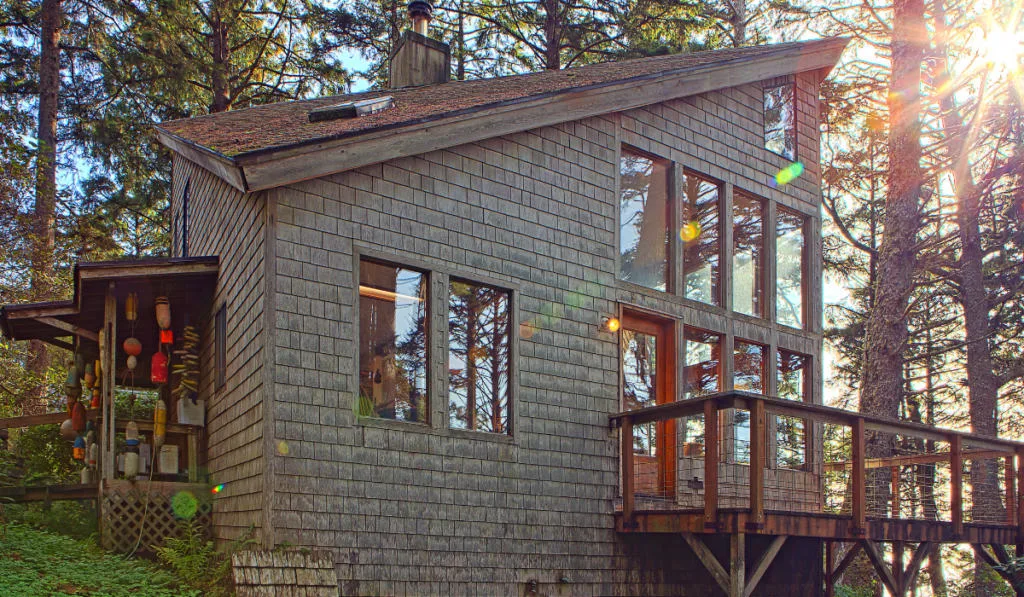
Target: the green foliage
(195, 560)
(73, 519)
(848, 591)
(36, 562)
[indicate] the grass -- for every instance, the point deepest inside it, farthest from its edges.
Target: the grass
(35, 562)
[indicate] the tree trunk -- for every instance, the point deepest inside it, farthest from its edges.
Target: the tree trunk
(44, 216)
(552, 35)
(220, 63)
(738, 22)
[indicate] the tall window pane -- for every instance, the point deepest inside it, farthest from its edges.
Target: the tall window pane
(748, 254)
(703, 352)
(780, 120)
(639, 370)
(789, 269)
(643, 220)
(748, 368)
(700, 239)
(791, 432)
(479, 358)
(392, 342)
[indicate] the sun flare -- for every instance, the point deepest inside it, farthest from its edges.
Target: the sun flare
(1002, 47)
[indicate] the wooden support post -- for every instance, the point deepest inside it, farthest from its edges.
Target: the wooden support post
(711, 464)
(737, 564)
(1020, 502)
(757, 463)
(108, 362)
(882, 568)
(910, 574)
(956, 490)
(897, 565)
(193, 455)
(844, 563)
(626, 436)
(830, 556)
(894, 481)
(857, 477)
(710, 562)
(763, 564)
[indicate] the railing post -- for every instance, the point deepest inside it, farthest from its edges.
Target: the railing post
(1020, 500)
(956, 475)
(857, 477)
(894, 481)
(710, 464)
(757, 462)
(626, 436)
(1010, 479)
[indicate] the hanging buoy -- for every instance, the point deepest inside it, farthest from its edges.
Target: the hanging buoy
(163, 312)
(158, 368)
(103, 346)
(159, 424)
(72, 385)
(67, 430)
(78, 450)
(95, 398)
(86, 475)
(99, 370)
(131, 306)
(78, 416)
(90, 375)
(132, 346)
(133, 362)
(131, 451)
(94, 454)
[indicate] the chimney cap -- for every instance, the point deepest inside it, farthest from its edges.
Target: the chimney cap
(420, 8)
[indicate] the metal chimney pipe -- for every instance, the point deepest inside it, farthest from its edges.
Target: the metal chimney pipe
(419, 12)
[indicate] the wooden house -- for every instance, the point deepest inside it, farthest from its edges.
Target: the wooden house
(517, 335)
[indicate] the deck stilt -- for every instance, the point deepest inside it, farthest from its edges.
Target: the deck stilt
(734, 582)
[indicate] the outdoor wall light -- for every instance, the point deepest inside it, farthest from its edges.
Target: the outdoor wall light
(612, 324)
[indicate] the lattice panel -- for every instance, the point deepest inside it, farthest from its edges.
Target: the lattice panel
(157, 510)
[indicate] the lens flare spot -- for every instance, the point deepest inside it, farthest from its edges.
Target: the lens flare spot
(217, 488)
(184, 504)
(282, 448)
(690, 231)
(789, 173)
(612, 324)
(527, 330)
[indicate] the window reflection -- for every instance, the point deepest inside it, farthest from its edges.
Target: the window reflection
(789, 268)
(643, 220)
(479, 319)
(748, 368)
(392, 342)
(700, 239)
(703, 352)
(639, 371)
(780, 120)
(748, 254)
(791, 432)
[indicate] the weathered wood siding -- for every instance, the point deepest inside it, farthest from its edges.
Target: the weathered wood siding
(230, 225)
(412, 509)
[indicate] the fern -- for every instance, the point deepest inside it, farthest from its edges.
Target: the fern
(196, 561)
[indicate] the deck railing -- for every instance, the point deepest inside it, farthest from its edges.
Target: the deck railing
(757, 457)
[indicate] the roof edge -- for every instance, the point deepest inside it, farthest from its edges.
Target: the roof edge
(217, 163)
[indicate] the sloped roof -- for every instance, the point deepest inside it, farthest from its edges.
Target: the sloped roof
(251, 134)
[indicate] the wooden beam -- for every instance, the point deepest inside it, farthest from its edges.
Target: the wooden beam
(49, 493)
(1020, 502)
(1010, 480)
(758, 443)
(882, 568)
(844, 563)
(711, 458)
(763, 564)
(44, 419)
(894, 483)
(956, 490)
(984, 555)
(857, 477)
(930, 458)
(70, 328)
(737, 564)
(108, 360)
(708, 559)
(910, 574)
(626, 455)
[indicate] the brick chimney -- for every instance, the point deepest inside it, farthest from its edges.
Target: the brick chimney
(418, 59)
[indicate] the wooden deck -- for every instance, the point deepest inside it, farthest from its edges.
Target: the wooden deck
(918, 495)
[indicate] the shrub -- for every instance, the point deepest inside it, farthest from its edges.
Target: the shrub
(196, 562)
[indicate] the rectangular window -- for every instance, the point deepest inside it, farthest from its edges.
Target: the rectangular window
(780, 120)
(749, 376)
(793, 378)
(643, 220)
(703, 354)
(789, 268)
(479, 357)
(392, 342)
(639, 383)
(748, 254)
(220, 346)
(700, 236)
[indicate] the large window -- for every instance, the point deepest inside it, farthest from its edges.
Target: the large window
(392, 342)
(749, 376)
(479, 357)
(789, 268)
(748, 255)
(701, 240)
(703, 354)
(790, 432)
(643, 220)
(780, 120)
(639, 382)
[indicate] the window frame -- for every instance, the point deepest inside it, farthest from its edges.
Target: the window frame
(805, 255)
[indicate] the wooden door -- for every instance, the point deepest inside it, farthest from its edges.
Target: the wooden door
(648, 370)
